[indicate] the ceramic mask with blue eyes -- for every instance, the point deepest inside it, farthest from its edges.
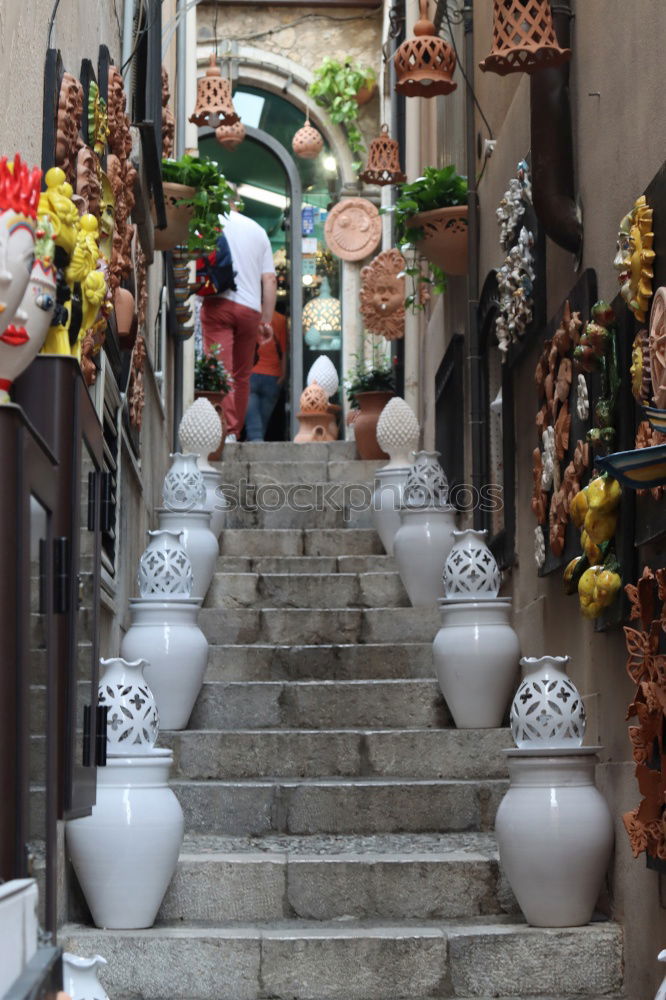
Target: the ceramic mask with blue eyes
(17, 251)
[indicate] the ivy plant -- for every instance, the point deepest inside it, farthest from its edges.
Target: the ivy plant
(335, 88)
(211, 198)
(210, 374)
(438, 188)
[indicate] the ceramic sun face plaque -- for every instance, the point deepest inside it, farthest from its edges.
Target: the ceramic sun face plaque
(353, 229)
(634, 259)
(383, 295)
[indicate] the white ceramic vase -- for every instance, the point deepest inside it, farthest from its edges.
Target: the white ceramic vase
(476, 655)
(555, 835)
(79, 977)
(125, 853)
(421, 546)
(547, 711)
(165, 569)
(132, 722)
(215, 502)
(398, 433)
(387, 502)
(167, 632)
(471, 570)
(427, 485)
(200, 544)
(183, 488)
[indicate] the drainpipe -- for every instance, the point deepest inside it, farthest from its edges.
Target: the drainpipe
(181, 116)
(553, 188)
(128, 31)
(477, 425)
(413, 322)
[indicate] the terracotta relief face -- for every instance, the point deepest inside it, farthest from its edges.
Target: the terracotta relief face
(383, 295)
(88, 181)
(68, 125)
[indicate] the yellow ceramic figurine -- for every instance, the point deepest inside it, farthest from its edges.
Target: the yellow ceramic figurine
(634, 259)
(83, 270)
(56, 202)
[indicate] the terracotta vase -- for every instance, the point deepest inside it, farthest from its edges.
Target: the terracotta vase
(313, 427)
(215, 398)
(333, 421)
(126, 318)
(178, 216)
(445, 239)
(371, 405)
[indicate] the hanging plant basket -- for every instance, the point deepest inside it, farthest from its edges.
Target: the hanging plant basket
(444, 240)
(366, 92)
(178, 216)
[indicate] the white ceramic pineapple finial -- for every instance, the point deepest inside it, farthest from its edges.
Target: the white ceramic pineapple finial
(398, 432)
(324, 373)
(200, 431)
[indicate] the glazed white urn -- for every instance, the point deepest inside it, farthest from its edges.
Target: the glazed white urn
(325, 374)
(555, 835)
(165, 569)
(200, 432)
(183, 488)
(199, 541)
(132, 723)
(125, 853)
(387, 503)
(471, 570)
(167, 632)
(215, 501)
(547, 710)
(398, 433)
(79, 977)
(476, 655)
(420, 547)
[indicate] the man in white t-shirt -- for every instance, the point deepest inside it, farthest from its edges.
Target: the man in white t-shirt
(239, 320)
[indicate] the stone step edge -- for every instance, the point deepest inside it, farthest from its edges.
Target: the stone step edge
(351, 730)
(371, 682)
(326, 782)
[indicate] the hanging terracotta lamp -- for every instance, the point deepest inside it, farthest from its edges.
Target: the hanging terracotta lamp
(383, 165)
(214, 105)
(230, 136)
(524, 38)
(307, 143)
(424, 65)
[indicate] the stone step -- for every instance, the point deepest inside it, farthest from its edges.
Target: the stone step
(453, 754)
(306, 564)
(319, 705)
(239, 472)
(277, 451)
(314, 626)
(302, 960)
(338, 805)
(350, 661)
(305, 590)
(425, 877)
(297, 542)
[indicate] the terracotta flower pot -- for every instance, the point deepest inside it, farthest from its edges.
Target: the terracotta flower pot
(370, 405)
(445, 239)
(366, 93)
(216, 399)
(178, 216)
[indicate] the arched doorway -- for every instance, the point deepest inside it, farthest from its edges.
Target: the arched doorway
(289, 198)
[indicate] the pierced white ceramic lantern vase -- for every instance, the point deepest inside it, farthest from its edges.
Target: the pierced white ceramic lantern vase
(547, 711)
(184, 487)
(427, 485)
(132, 721)
(471, 570)
(79, 977)
(398, 433)
(165, 569)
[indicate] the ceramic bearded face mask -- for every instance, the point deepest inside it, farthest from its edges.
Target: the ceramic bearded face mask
(19, 194)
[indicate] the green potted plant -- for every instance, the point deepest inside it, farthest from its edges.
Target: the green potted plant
(369, 386)
(196, 194)
(431, 213)
(340, 87)
(213, 382)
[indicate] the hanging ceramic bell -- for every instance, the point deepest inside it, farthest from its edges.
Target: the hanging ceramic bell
(214, 105)
(424, 65)
(383, 165)
(307, 143)
(524, 38)
(230, 136)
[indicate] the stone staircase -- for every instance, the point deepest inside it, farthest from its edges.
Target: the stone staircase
(339, 840)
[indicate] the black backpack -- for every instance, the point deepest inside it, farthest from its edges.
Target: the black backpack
(215, 273)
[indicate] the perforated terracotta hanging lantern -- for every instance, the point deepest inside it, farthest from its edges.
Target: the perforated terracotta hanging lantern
(214, 105)
(307, 143)
(230, 136)
(524, 38)
(383, 161)
(424, 65)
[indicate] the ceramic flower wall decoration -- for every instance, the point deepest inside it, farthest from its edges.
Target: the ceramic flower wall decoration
(512, 206)
(597, 352)
(641, 379)
(539, 547)
(515, 280)
(548, 459)
(634, 260)
(582, 398)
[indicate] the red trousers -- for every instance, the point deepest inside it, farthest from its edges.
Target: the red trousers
(234, 327)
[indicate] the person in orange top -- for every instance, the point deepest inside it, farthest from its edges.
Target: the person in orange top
(266, 380)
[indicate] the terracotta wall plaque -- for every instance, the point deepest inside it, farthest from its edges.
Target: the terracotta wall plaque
(383, 295)
(353, 229)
